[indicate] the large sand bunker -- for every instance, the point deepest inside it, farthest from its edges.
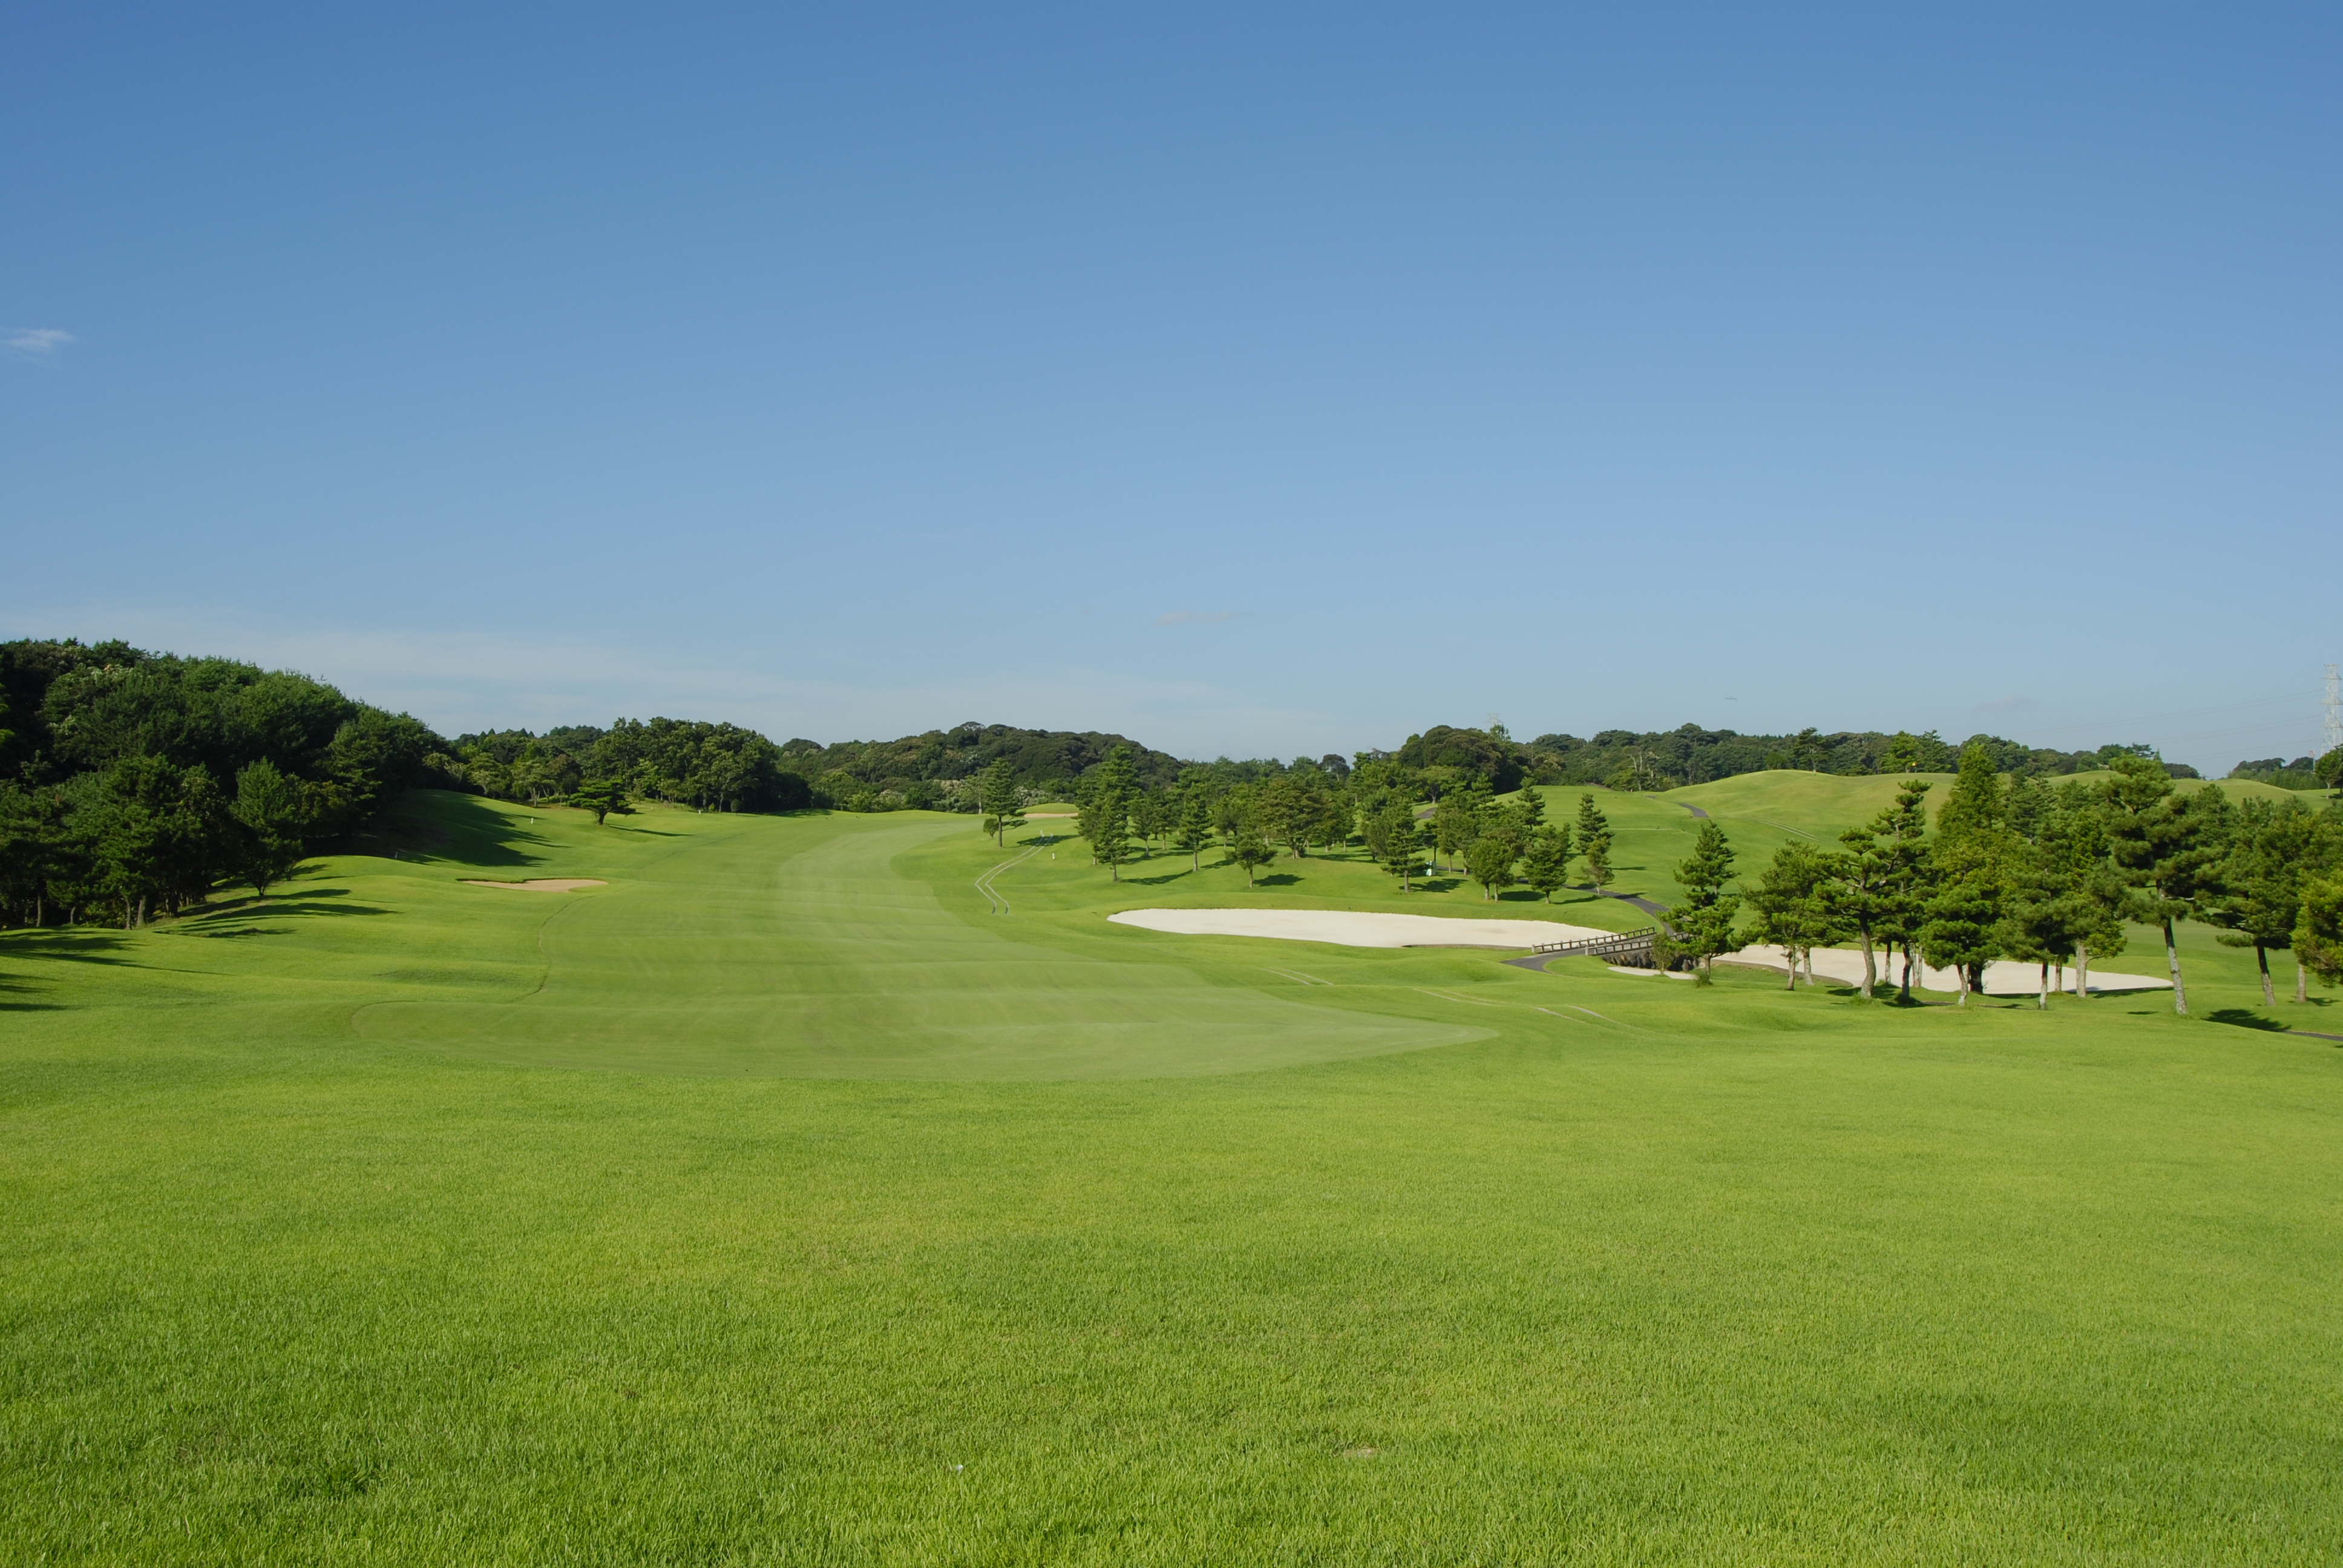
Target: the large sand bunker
(1355, 928)
(538, 884)
(2001, 978)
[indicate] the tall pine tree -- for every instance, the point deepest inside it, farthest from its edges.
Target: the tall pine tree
(1702, 920)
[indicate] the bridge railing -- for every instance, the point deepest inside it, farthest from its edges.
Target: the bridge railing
(1639, 940)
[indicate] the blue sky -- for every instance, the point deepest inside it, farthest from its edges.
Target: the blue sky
(1257, 379)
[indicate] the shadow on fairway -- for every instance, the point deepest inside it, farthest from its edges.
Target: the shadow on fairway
(14, 997)
(229, 920)
(468, 829)
(70, 944)
(2244, 1018)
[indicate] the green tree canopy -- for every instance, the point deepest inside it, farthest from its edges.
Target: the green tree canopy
(1001, 801)
(1400, 840)
(2172, 847)
(1489, 861)
(1593, 835)
(1703, 918)
(1793, 905)
(1250, 850)
(1546, 861)
(273, 812)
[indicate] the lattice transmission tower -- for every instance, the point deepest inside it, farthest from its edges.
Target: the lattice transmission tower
(2331, 733)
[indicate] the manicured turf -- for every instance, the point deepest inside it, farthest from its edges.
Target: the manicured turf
(775, 1203)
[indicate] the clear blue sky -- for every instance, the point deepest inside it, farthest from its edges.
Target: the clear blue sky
(1258, 379)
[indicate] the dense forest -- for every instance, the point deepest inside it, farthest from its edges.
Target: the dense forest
(719, 767)
(132, 782)
(709, 766)
(1661, 759)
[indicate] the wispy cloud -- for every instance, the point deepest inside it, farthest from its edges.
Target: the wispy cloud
(2005, 704)
(37, 342)
(1196, 617)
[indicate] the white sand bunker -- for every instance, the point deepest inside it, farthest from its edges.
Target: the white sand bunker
(2001, 978)
(540, 884)
(1355, 928)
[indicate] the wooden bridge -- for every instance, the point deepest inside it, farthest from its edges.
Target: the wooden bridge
(1613, 946)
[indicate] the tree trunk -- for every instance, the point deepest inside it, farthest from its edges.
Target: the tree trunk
(2082, 970)
(1904, 992)
(1792, 954)
(1961, 980)
(2060, 978)
(2172, 957)
(2269, 992)
(2302, 983)
(2043, 1004)
(1866, 966)
(1810, 966)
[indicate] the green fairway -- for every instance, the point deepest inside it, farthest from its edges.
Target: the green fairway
(756, 945)
(777, 1202)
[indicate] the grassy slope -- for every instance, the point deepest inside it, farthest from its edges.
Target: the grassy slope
(1634, 1272)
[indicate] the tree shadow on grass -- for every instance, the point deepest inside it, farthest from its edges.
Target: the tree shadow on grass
(2246, 1018)
(313, 905)
(72, 944)
(1277, 879)
(14, 995)
(440, 825)
(231, 919)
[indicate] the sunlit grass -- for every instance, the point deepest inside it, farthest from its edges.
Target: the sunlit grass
(775, 1203)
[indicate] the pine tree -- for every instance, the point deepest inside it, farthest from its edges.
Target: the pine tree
(1531, 807)
(1456, 820)
(1958, 932)
(1975, 807)
(1109, 809)
(1545, 863)
(1402, 841)
(1702, 920)
(997, 796)
(1284, 813)
(1910, 873)
(2170, 846)
(2275, 848)
(1195, 829)
(1250, 849)
(1594, 841)
(274, 811)
(2042, 921)
(1792, 903)
(1489, 861)
(1333, 819)
(2318, 934)
(1861, 880)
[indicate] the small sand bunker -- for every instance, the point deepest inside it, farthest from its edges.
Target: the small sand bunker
(540, 884)
(2001, 978)
(1355, 928)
